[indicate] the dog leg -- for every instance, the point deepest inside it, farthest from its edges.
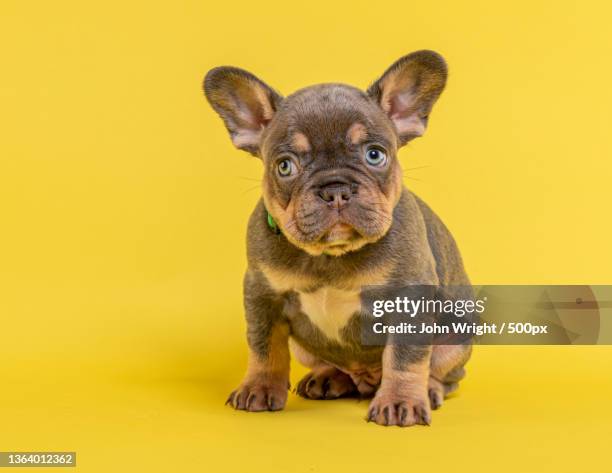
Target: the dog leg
(402, 397)
(266, 382)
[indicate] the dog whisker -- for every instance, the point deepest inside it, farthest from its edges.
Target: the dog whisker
(250, 189)
(244, 178)
(417, 167)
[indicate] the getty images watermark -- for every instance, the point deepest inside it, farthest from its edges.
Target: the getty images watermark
(412, 308)
(502, 315)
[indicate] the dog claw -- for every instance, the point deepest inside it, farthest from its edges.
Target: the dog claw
(250, 400)
(423, 416)
(386, 414)
(325, 387)
(372, 414)
(435, 399)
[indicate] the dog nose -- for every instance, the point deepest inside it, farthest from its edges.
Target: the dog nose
(336, 194)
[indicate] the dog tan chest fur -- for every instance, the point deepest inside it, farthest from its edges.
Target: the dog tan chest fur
(330, 309)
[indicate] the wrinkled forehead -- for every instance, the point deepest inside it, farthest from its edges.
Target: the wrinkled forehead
(326, 118)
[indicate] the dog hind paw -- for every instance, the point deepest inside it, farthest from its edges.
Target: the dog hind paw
(438, 391)
(325, 383)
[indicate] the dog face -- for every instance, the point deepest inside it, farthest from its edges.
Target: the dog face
(332, 178)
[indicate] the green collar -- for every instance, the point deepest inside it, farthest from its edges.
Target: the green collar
(272, 224)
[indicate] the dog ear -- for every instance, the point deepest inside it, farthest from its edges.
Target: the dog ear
(408, 90)
(245, 103)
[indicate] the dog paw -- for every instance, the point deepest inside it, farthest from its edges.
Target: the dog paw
(257, 396)
(437, 392)
(393, 409)
(326, 383)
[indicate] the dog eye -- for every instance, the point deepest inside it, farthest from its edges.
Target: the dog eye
(375, 157)
(286, 168)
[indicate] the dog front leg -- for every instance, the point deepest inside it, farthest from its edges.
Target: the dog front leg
(402, 397)
(266, 382)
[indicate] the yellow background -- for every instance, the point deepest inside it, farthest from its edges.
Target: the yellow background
(123, 210)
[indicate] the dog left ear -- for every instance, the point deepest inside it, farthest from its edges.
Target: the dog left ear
(408, 90)
(245, 103)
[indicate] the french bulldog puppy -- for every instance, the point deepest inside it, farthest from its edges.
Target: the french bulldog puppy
(335, 220)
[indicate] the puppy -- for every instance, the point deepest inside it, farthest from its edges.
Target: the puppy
(334, 221)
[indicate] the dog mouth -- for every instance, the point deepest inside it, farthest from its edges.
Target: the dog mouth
(340, 234)
(324, 230)
(339, 239)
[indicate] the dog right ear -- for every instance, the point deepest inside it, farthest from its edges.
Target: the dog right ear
(244, 102)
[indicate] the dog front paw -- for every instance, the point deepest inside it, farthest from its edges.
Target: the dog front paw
(257, 396)
(388, 408)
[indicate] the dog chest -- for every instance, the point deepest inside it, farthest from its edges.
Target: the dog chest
(330, 309)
